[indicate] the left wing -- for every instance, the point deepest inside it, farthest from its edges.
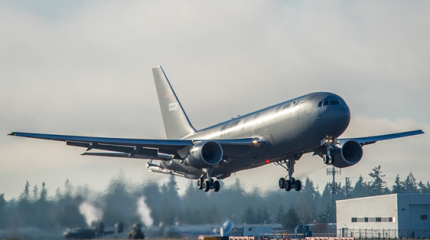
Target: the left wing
(369, 140)
(163, 149)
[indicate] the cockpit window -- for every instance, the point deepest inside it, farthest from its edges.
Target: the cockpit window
(334, 102)
(320, 104)
(325, 103)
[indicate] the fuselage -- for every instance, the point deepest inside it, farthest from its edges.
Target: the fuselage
(289, 128)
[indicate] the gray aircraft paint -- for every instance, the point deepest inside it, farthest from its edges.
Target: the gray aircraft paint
(282, 131)
(175, 120)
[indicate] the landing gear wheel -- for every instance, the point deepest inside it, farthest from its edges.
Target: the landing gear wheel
(297, 185)
(288, 185)
(206, 186)
(216, 186)
(328, 159)
(282, 183)
(200, 183)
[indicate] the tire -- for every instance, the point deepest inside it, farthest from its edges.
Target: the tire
(325, 159)
(217, 186)
(281, 183)
(331, 160)
(297, 185)
(206, 186)
(288, 185)
(200, 183)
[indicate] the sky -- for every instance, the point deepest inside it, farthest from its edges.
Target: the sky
(84, 68)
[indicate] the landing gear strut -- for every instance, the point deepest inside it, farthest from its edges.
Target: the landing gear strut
(209, 184)
(328, 158)
(289, 182)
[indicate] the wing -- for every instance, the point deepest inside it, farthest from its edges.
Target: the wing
(369, 140)
(162, 149)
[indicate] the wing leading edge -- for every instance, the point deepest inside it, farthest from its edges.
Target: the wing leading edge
(129, 147)
(373, 139)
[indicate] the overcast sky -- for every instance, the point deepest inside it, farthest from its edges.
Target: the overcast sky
(84, 68)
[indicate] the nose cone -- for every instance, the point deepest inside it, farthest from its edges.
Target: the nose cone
(343, 117)
(336, 119)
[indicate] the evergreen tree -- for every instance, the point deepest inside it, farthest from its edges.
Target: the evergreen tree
(410, 184)
(35, 193)
(44, 210)
(361, 188)
(118, 203)
(423, 187)
(325, 198)
(323, 220)
(43, 193)
(25, 212)
(249, 216)
(3, 218)
(25, 194)
(291, 219)
(397, 187)
(347, 188)
(377, 186)
(305, 211)
(265, 216)
(280, 215)
(259, 217)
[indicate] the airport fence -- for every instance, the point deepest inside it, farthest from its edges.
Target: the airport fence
(384, 233)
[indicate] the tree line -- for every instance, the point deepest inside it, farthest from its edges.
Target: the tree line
(119, 203)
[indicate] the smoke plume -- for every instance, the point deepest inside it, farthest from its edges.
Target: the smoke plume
(144, 211)
(91, 213)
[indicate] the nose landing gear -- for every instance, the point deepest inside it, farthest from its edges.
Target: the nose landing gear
(289, 182)
(329, 143)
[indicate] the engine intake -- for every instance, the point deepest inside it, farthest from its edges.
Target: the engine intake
(205, 154)
(350, 153)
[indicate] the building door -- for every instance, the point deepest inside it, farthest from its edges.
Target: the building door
(419, 219)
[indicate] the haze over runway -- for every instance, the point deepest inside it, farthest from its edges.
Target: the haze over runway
(84, 68)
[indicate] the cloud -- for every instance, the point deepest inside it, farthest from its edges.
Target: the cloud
(84, 69)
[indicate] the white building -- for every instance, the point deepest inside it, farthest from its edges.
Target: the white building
(386, 216)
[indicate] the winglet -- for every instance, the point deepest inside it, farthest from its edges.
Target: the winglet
(12, 134)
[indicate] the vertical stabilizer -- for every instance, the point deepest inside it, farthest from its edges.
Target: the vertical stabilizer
(175, 120)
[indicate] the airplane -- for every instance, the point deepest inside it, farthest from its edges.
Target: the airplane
(278, 134)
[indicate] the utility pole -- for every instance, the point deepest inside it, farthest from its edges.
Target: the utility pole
(333, 172)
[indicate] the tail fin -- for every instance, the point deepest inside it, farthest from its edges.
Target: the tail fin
(175, 120)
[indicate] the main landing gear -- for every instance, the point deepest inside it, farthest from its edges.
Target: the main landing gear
(289, 182)
(209, 184)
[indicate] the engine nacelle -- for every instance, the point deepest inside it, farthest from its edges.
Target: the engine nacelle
(348, 154)
(204, 154)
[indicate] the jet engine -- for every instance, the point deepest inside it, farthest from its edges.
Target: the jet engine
(204, 154)
(348, 154)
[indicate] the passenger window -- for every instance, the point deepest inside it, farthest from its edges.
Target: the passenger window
(334, 102)
(320, 104)
(325, 103)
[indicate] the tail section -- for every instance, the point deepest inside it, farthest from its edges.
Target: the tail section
(175, 120)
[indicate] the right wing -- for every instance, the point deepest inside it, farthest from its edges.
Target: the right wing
(162, 149)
